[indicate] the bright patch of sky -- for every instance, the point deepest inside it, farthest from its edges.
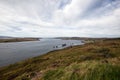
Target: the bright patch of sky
(60, 18)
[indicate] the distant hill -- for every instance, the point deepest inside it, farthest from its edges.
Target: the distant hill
(13, 39)
(4, 37)
(84, 38)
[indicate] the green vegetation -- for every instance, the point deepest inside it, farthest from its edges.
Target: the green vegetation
(93, 61)
(18, 40)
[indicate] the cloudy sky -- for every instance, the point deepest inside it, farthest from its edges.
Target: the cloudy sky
(57, 18)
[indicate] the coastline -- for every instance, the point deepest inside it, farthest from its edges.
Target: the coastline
(103, 56)
(18, 40)
(57, 49)
(18, 51)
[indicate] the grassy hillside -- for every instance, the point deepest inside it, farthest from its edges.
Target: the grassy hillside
(93, 61)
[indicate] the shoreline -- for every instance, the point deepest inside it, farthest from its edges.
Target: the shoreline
(57, 49)
(103, 56)
(10, 40)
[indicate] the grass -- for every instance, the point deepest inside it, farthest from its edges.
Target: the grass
(93, 61)
(88, 70)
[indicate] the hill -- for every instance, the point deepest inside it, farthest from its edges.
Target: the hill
(99, 60)
(5, 37)
(4, 40)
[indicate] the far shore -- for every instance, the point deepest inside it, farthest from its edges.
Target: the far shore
(18, 40)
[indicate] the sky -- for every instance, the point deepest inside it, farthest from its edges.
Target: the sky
(60, 18)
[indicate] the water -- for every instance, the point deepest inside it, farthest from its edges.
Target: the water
(17, 51)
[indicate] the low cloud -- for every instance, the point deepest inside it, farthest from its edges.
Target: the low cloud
(44, 18)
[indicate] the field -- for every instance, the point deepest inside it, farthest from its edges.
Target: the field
(96, 60)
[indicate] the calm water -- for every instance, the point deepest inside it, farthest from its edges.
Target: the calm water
(17, 51)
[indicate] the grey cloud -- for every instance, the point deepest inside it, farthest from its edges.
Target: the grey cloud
(60, 18)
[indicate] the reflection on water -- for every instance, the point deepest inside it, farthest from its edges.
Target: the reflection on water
(17, 51)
